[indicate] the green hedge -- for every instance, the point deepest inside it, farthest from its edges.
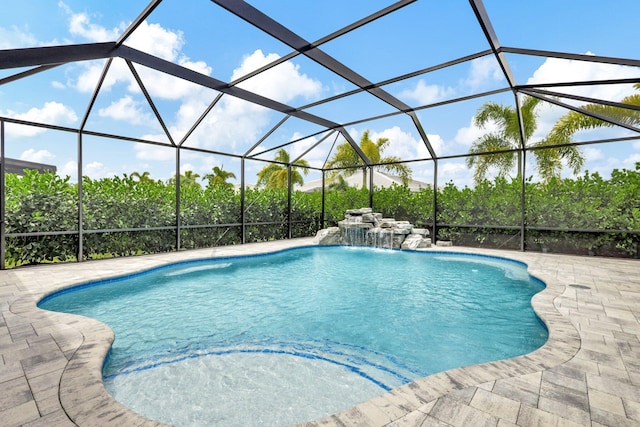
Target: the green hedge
(487, 215)
(38, 203)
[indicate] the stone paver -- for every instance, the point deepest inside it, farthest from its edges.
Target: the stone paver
(587, 374)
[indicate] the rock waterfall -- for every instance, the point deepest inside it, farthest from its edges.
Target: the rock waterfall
(363, 227)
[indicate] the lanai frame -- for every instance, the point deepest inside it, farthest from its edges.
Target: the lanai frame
(41, 59)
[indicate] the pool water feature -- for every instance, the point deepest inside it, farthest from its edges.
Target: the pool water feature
(292, 336)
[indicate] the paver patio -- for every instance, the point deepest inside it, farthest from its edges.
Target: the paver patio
(588, 373)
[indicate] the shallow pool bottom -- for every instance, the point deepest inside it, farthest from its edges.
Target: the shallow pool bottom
(240, 389)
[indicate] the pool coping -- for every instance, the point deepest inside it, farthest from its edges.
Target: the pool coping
(472, 391)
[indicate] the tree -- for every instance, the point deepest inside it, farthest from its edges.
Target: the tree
(275, 175)
(572, 122)
(345, 158)
(339, 184)
(219, 177)
(507, 137)
(144, 177)
(186, 178)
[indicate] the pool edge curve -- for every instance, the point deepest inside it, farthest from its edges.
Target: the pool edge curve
(86, 401)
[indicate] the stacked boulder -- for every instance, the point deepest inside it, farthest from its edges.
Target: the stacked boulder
(363, 227)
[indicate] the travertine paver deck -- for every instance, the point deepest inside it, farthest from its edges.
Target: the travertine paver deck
(588, 373)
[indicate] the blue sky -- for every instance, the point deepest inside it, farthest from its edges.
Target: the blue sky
(199, 35)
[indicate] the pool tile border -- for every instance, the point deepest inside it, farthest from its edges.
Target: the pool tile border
(591, 307)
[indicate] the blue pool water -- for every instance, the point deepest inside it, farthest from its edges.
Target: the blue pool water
(296, 335)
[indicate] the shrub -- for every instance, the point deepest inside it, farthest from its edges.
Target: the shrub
(593, 215)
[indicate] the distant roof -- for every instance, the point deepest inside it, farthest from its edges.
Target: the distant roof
(18, 166)
(380, 179)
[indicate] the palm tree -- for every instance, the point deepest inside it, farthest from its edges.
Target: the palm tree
(507, 137)
(141, 178)
(189, 177)
(275, 175)
(345, 158)
(574, 121)
(186, 178)
(339, 184)
(219, 177)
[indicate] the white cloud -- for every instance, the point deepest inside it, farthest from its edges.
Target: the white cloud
(53, 113)
(593, 154)
(208, 162)
(187, 167)
(282, 83)
(88, 79)
(157, 41)
(14, 38)
(404, 145)
(80, 25)
(559, 70)
(437, 143)
(235, 124)
(563, 70)
(450, 168)
(630, 162)
(69, 169)
(40, 156)
(153, 153)
(165, 86)
(456, 172)
(355, 134)
(232, 123)
(97, 170)
(158, 84)
(125, 109)
(422, 173)
(315, 157)
(483, 70)
(190, 110)
(468, 135)
(57, 85)
(149, 38)
(548, 115)
(426, 94)
(613, 161)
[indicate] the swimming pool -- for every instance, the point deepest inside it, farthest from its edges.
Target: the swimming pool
(295, 335)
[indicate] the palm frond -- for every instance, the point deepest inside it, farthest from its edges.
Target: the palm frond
(491, 112)
(496, 148)
(392, 164)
